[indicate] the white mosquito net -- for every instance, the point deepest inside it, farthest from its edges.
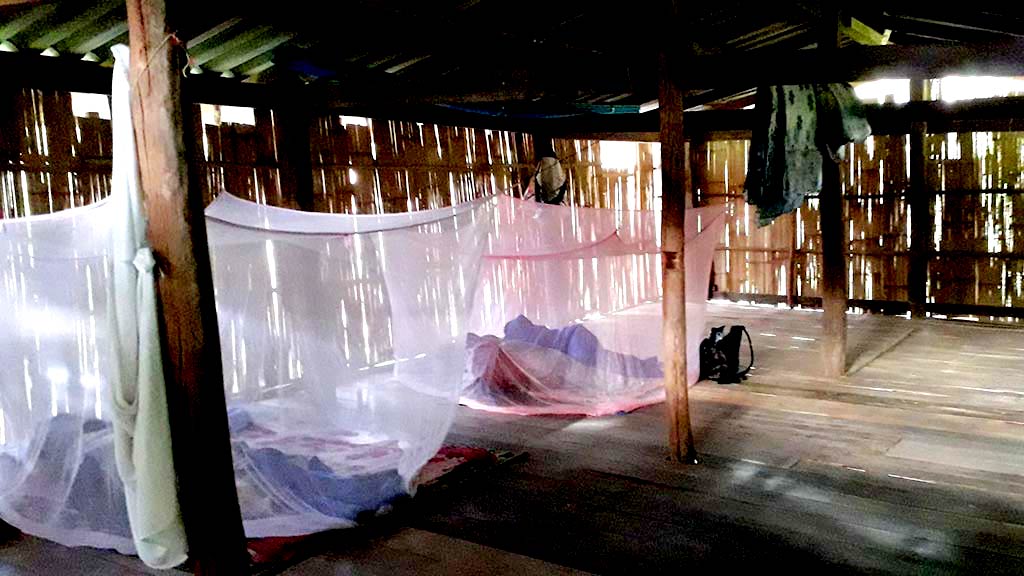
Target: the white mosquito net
(344, 342)
(567, 316)
(343, 356)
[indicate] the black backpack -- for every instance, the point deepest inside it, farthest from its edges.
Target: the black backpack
(720, 355)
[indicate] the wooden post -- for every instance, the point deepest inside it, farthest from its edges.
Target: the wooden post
(189, 338)
(833, 234)
(673, 208)
(295, 159)
(920, 221)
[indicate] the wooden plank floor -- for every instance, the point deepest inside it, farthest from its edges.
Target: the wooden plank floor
(914, 463)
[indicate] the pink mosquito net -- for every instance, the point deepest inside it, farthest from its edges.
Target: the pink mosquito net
(567, 316)
(344, 343)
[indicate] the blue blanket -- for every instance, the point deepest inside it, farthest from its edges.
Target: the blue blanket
(580, 344)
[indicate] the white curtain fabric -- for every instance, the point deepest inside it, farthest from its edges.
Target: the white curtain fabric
(142, 437)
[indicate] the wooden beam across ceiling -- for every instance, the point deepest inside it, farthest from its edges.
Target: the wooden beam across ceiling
(32, 71)
(742, 70)
(861, 33)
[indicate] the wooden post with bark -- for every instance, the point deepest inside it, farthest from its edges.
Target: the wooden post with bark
(673, 208)
(188, 318)
(833, 234)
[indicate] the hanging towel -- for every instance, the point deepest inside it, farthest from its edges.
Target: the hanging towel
(796, 126)
(142, 438)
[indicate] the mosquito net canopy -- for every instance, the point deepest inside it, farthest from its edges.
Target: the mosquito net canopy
(567, 316)
(342, 350)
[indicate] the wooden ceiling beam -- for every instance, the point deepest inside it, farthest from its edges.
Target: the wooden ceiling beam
(742, 70)
(29, 70)
(861, 33)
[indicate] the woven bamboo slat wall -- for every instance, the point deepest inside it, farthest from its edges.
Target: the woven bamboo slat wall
(364, 165)
(976, 207)
(51, 159)
(611, 174)
(242, 159)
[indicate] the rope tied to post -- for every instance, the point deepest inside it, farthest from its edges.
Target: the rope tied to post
(171, 38)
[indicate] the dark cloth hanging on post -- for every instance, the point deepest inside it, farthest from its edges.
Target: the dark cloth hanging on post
(796, 127)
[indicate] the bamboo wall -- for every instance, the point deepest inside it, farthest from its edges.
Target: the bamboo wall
(242, 159)
(977, 207)
(611, 174)
(375, 166)
(52, 160)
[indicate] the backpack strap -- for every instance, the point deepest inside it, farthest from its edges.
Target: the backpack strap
(745, 371)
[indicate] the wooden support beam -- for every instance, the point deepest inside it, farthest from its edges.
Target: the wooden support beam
(919, 206)
(861, 33)
(673, 212)
(833, 231)
(295, 163)
(32, 71)
(744, 69)
(188, 317)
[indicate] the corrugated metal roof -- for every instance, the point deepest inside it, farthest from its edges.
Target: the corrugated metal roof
(533, 51)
